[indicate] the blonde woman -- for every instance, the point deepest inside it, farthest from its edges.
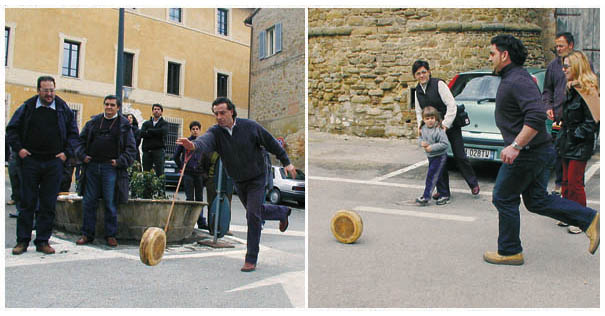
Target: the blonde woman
(577, 136)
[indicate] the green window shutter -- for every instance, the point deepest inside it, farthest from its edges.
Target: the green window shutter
(261, 45)
(278, 38)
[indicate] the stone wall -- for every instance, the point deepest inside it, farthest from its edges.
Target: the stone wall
(360, 60)
(277, 82)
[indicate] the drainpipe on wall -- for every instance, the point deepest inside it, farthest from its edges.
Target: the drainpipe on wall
(248, 23)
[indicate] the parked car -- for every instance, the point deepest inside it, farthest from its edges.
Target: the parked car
(286, 188)
(172, 173)
(477, 91)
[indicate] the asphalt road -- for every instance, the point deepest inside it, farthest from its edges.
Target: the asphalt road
(431, 257)
(189, 275)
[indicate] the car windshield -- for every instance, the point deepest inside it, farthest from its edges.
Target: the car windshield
(299, 174)
(480, 88)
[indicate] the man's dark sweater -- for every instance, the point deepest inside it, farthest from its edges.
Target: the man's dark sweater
(554, 87)
(241, 152)
(153, 136)
(43, 137)
(105, 140)
(518, 103)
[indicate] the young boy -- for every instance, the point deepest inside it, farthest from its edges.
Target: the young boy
(434, 141)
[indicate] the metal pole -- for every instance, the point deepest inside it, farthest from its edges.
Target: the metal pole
(220, 197)
(120, 69)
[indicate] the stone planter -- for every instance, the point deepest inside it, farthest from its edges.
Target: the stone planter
(133, 217)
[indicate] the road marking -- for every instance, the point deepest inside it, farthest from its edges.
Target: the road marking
(387, 184)
(241, 228)
(292, 282)
(448, 217)
(400, 171)
(407, 186)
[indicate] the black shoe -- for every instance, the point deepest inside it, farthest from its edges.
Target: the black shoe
(13, 215)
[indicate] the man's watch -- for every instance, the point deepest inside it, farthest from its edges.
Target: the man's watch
(516, 146)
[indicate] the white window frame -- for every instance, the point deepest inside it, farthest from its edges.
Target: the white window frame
(181, 76)
(11, 43)
(81, 58)
(77, 107)
(135, 65)
(173, 21)
(229, 23)
(229, 81)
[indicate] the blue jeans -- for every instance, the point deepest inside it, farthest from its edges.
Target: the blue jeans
(39, 188)
(100, 182)
(528, 176)
(251, 193)
(433, 177)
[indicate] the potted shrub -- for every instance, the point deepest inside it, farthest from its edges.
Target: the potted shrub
(147, 207)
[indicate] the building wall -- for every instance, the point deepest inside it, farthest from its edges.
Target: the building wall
(360, 60)
(36, 49)
(277, 82)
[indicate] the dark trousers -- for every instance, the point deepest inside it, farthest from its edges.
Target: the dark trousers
(251, 193)
(433, 174)
(68, 172)
(454, 135)
(39, 188)
(528, 176)
(14, 175)
(194, 191)
(100, 182)
(154, 159)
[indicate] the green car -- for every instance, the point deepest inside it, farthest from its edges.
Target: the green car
(477, 91)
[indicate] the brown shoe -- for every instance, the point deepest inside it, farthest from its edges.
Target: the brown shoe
(20, 248)
(283, 225)
(248, 267)
(593, 234)
(112, 242)
(495, 258)
(10, 202)
(83, 240)
(45, 248)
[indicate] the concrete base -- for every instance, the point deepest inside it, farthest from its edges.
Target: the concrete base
(133, 218)
(219, 244)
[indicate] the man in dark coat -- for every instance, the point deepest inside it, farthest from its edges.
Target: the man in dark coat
(153, 133)
(238, 142)
(106, 148)
(44, 133)
(528, 157)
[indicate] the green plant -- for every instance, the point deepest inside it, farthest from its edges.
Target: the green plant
(145, 184)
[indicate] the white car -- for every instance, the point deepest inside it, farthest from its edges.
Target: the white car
(286, 188)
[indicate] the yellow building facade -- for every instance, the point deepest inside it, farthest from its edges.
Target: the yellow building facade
(182, 58)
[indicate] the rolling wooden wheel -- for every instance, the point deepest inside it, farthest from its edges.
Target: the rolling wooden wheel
(152, 246)
(346, 226)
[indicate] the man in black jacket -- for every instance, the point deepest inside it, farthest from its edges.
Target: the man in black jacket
(238, 142)
(153, 133)
(44, 133)
(107, 148)
(528, 157)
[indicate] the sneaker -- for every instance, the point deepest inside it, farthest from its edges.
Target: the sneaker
(443, 200)
(421, 201)
(574, 230)
(436, 196)
(11, 202)
(561, 224)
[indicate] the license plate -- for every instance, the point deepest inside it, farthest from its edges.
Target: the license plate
(172, 169)
(479, 153)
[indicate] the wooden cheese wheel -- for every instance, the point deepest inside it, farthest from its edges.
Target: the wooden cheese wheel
(152, 246)
(346, 226)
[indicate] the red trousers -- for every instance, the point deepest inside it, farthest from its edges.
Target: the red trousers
(572, 186)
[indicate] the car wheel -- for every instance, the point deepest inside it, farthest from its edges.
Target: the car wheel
(274, 196)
